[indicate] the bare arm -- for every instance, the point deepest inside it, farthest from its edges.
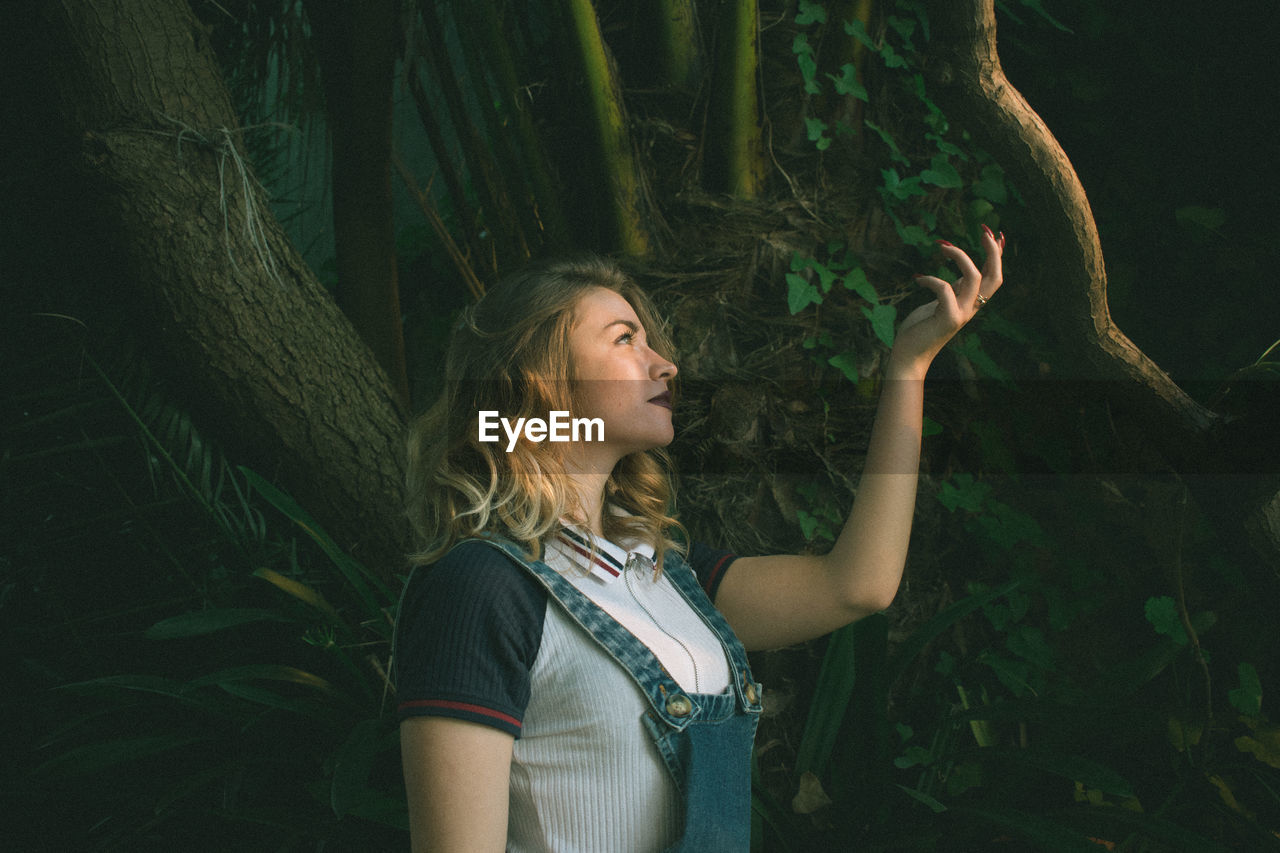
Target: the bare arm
(778, 600)
(457, 775)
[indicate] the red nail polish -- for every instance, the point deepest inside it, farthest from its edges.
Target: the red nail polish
(988, 230)
(944, 243)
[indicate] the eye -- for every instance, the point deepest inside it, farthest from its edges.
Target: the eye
(626, 338)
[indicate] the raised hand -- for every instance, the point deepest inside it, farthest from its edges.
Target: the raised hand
(927, 329)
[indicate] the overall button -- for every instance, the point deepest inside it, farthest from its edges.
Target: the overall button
(679, 706)
(751, 693)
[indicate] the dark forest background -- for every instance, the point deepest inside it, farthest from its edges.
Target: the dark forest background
(233, 237)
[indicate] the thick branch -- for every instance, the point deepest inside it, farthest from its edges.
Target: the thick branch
(229, 303)
(1062, 270)
(1061, 260)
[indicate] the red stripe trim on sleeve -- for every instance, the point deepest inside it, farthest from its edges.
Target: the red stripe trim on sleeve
(715, 572)
(461, 706)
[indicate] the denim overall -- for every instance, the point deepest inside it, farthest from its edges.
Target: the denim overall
(704, 739)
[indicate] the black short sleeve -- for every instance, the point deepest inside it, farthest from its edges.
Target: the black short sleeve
(709, 565)
(467, 633)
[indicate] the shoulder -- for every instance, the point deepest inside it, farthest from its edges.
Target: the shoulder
(709, 566)
(478, 572)
(474, 597)
(468, 631)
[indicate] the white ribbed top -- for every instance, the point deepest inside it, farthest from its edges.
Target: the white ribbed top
(585, 775)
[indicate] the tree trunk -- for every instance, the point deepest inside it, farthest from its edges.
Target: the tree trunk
(679, 55)
(737, 143)
(1061, 269)
(621, 178)
(229, 304)
(358, 46)
(1064, 253)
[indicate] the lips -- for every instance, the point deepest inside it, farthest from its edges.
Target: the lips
(663, 399)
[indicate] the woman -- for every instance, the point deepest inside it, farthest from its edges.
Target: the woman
(570, 677)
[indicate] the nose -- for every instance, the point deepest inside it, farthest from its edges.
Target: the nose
(661, 368)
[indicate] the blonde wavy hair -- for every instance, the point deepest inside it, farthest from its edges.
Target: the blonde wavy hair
(510, 353)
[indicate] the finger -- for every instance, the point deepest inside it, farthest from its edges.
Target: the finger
(961, 259)
(946, 294)
(993, 267)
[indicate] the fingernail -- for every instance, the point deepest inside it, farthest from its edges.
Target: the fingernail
(944, 243)
(988, 230)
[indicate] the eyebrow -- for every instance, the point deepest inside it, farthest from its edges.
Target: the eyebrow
(635, 330)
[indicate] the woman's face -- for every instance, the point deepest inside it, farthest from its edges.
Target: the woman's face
(620, 380)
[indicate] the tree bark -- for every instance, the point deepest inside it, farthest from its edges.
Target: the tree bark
(1061, 268)
(1064, 251)
(230, 305)
(738, 143)
(622, 180)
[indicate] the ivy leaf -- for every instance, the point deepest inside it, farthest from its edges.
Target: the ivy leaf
(904, 27)
(808, 12)
(964, 492)
(915, 756)
(808, 63)
(970, 346)
(800, 293)
(935, 119)
(941, 173)
(817, 129)
(991, 185)
(858, 30)
(1162, 613)
(947, 147)
(914, 235)
(892, 59)
(847, 83)
(811, 526)
(883, 318)
(826, 277)
(847, 364)
(888, 140)
(899, 188)
(1028, 643)
(1247, 698)
(856, 281)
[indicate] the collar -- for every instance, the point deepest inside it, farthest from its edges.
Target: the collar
(608, 561)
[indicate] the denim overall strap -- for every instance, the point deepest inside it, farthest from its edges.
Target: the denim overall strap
(684, 580)
(714, 754)
(705, 740)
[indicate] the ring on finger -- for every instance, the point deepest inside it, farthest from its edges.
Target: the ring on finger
(980, 301)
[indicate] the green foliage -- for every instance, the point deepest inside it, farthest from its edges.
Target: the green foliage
(938, 181)
(254, 712)
(823, 518)
(1004, 718)
(1024, 745)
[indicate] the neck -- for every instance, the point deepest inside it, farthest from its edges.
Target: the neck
(588, 478)
(590, 490)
